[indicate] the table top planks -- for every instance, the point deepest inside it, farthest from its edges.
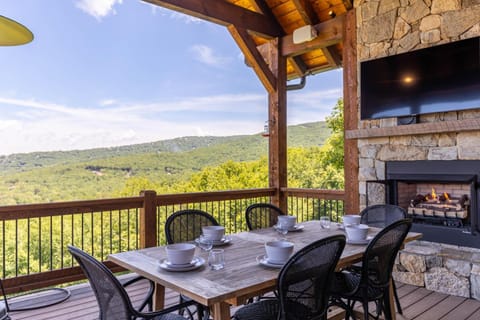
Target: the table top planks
(242, 276)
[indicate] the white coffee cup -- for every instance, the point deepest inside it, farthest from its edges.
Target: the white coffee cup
(288, 221)
(357, 232)
(180, 253)
(214, 233)
(278, 252)
(351, 219)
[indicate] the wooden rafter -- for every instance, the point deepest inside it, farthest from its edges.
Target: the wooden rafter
(348, 4)
(261, 5)
(306, 11)
(299, 65)
(333, 57)
(224, 13)
(254, 57)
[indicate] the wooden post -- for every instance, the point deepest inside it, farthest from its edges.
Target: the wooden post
(277, 123)
(350, 112)
(148, 220)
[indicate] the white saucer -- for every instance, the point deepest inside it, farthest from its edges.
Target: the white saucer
(364, 241)
(197, 262)
(263, 260)
(295, 228)
(224, 241)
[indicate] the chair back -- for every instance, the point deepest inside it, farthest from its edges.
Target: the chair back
(379, 257)
(112, 298)
(262, 215)
(186, 225)
(304, 280)
(381, 215)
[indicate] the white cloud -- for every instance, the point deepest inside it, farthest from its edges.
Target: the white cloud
(175, 15)
(206, 55)
(309, 106)
(185, 17)
(107, 102)
(31, 125)
(98, 8)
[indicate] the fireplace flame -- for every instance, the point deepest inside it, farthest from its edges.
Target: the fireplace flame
(434, 195)
(447, 198)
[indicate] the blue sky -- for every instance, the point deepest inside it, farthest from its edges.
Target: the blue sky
(114, 72)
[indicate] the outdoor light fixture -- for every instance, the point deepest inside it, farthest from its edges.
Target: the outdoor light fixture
(304, 34)
(13, 33)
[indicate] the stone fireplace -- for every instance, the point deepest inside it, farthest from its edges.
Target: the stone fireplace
(447, 259)
(440, 196)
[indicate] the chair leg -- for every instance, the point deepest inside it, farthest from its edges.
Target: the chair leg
(365, 310)
(397, 300)
(387, 308)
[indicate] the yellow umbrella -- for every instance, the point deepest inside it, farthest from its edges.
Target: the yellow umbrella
(13, 33)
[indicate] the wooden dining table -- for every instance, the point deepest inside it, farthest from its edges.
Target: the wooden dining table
(243, 277)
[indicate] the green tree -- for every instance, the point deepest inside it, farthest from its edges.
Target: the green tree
(334, 152)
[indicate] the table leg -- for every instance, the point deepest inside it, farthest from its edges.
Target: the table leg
(221, 311)
(158, 297)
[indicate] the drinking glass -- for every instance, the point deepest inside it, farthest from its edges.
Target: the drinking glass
(204, 243)
(216, 259)
(282, 228)
(325, 222)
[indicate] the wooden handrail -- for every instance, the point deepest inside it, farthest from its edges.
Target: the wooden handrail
(181, 198)
(62, 208)
(315, 193)
(147, 205)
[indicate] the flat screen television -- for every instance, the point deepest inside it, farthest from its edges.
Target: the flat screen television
(437, 79)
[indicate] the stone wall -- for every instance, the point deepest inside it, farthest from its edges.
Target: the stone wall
(388, 27)
(439, 267)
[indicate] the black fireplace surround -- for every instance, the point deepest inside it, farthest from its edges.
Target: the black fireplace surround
(439, 172)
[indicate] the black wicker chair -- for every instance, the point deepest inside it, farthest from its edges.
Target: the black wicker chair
(380, 216)
(112, 298)
(373, 282)
(186, 226)
(262, 215)
(302, 285)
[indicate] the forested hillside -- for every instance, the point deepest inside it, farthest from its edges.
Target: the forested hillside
(166, 166)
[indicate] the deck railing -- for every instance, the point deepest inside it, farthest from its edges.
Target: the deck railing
(34, 237)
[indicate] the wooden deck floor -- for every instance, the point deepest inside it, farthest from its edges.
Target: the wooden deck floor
(417, 303)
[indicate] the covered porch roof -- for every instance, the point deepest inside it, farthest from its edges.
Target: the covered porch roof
(265, 32)
(253, 23)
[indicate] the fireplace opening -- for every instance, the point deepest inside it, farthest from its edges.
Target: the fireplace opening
(437, 204)
(440, 196)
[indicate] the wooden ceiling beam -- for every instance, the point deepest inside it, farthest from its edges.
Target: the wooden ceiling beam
(254, 58)
(329, 33)
(224, 13)
(332, 56)
(299, 65)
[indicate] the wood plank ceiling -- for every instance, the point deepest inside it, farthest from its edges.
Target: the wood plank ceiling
(253, 23)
